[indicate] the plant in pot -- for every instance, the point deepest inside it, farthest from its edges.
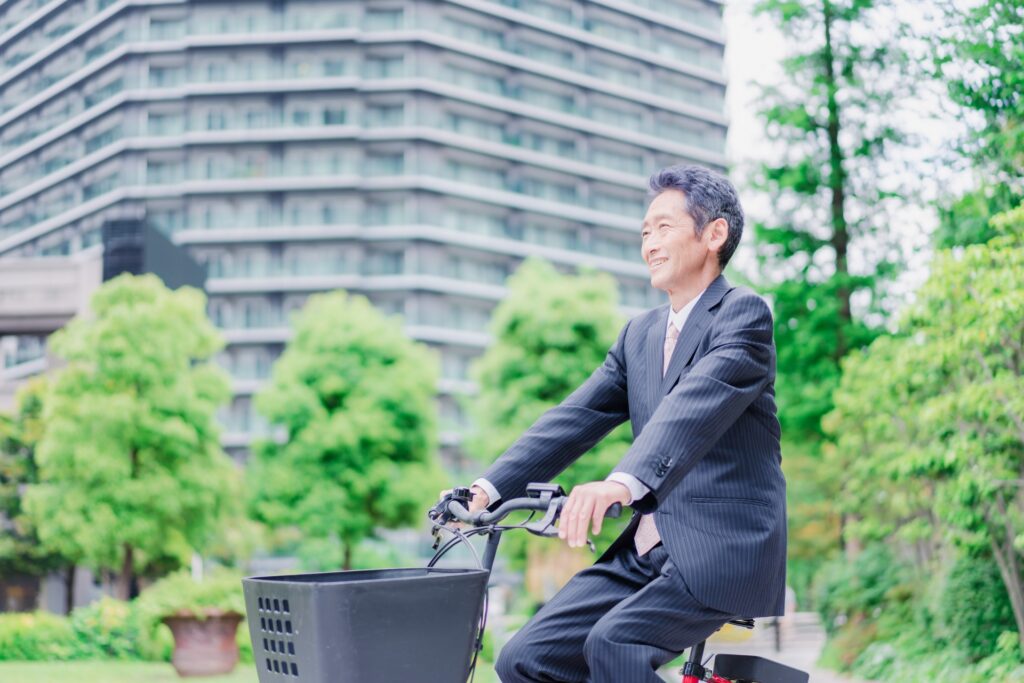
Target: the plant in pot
(203, 617)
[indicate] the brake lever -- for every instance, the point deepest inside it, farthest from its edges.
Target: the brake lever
(440, 515)
(542, 526)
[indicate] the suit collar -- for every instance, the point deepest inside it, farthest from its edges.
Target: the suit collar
(714, 293)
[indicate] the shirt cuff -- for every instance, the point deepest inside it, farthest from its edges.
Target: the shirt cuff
(488, 487)
(637, 489)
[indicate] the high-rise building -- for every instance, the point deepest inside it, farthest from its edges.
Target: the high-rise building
(414, 151)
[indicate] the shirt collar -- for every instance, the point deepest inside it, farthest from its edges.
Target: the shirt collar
(678, 318)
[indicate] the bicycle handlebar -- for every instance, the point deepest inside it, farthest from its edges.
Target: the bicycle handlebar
(546, 498)
(484, 518)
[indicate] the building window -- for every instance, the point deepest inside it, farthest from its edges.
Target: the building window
(334, 116)
(478, 128)
(384, 67)
(551, 145)
(102, 139)
(383, 263)
(216, 120)
(334, 67)
(166, 29)
(547, 99)
(165, 76)
(384, 213)
(472, 33)
(385, 115)
(100, 187)
(383, 20)
(385, 164)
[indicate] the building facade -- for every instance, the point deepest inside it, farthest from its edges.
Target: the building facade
(414, 151)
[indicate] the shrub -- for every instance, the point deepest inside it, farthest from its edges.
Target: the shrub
(975, 608)
(37, 636)
(108, 629)
(846, 591)
(178, 592)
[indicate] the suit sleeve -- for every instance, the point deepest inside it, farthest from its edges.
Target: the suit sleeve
(739, 364)
(568, 430)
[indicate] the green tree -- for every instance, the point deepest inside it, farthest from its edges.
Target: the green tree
(131, 473)
(20, 549)
(954, 423)
(831, 124)
(353, 399)
(980, 60)
(550, 333)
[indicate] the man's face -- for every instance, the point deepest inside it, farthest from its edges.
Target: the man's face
(673, 252)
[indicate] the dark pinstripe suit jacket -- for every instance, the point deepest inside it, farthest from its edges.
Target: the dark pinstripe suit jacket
(706, 442)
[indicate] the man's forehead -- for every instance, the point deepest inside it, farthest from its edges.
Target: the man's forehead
(658, 216)
(667, 206)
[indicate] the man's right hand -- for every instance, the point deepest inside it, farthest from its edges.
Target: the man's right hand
(480, 500)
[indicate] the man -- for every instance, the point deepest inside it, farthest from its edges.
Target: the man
(707, 542)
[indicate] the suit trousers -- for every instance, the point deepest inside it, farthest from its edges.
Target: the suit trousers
(615, 622)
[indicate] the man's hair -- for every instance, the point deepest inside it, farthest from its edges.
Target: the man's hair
(708, 196)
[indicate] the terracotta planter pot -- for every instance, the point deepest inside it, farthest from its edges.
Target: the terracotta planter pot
(204, 646)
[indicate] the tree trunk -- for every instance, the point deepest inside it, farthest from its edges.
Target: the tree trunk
(123, 585)
(69, 589)
(1011, 578)
(346, 556)
(1006, 558)
(840, 239)
(126, 577)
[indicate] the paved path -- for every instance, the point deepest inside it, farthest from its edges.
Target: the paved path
(802, 640)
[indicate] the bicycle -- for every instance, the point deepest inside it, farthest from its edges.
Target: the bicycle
(443, 611)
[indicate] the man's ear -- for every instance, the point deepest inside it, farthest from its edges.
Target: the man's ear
(716, 233)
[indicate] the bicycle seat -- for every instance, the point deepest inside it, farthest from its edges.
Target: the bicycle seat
(757, 670)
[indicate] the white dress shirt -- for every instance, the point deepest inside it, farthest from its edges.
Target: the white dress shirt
(637, 489)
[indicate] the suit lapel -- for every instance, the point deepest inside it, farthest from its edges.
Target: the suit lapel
(692, 332)
(655, 351)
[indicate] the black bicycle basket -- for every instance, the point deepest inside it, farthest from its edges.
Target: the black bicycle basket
(377, 626)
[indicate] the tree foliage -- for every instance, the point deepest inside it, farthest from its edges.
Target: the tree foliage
(550, 333)
(20, 549)
(833, 124)
(131, 473)
(826, 249)
(930, 423)
(353, 399)
(980, 59)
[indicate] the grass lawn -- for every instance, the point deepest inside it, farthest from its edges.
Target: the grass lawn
(110, 672)
(136, 672)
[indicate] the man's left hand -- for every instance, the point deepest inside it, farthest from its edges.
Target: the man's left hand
(587, 506)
